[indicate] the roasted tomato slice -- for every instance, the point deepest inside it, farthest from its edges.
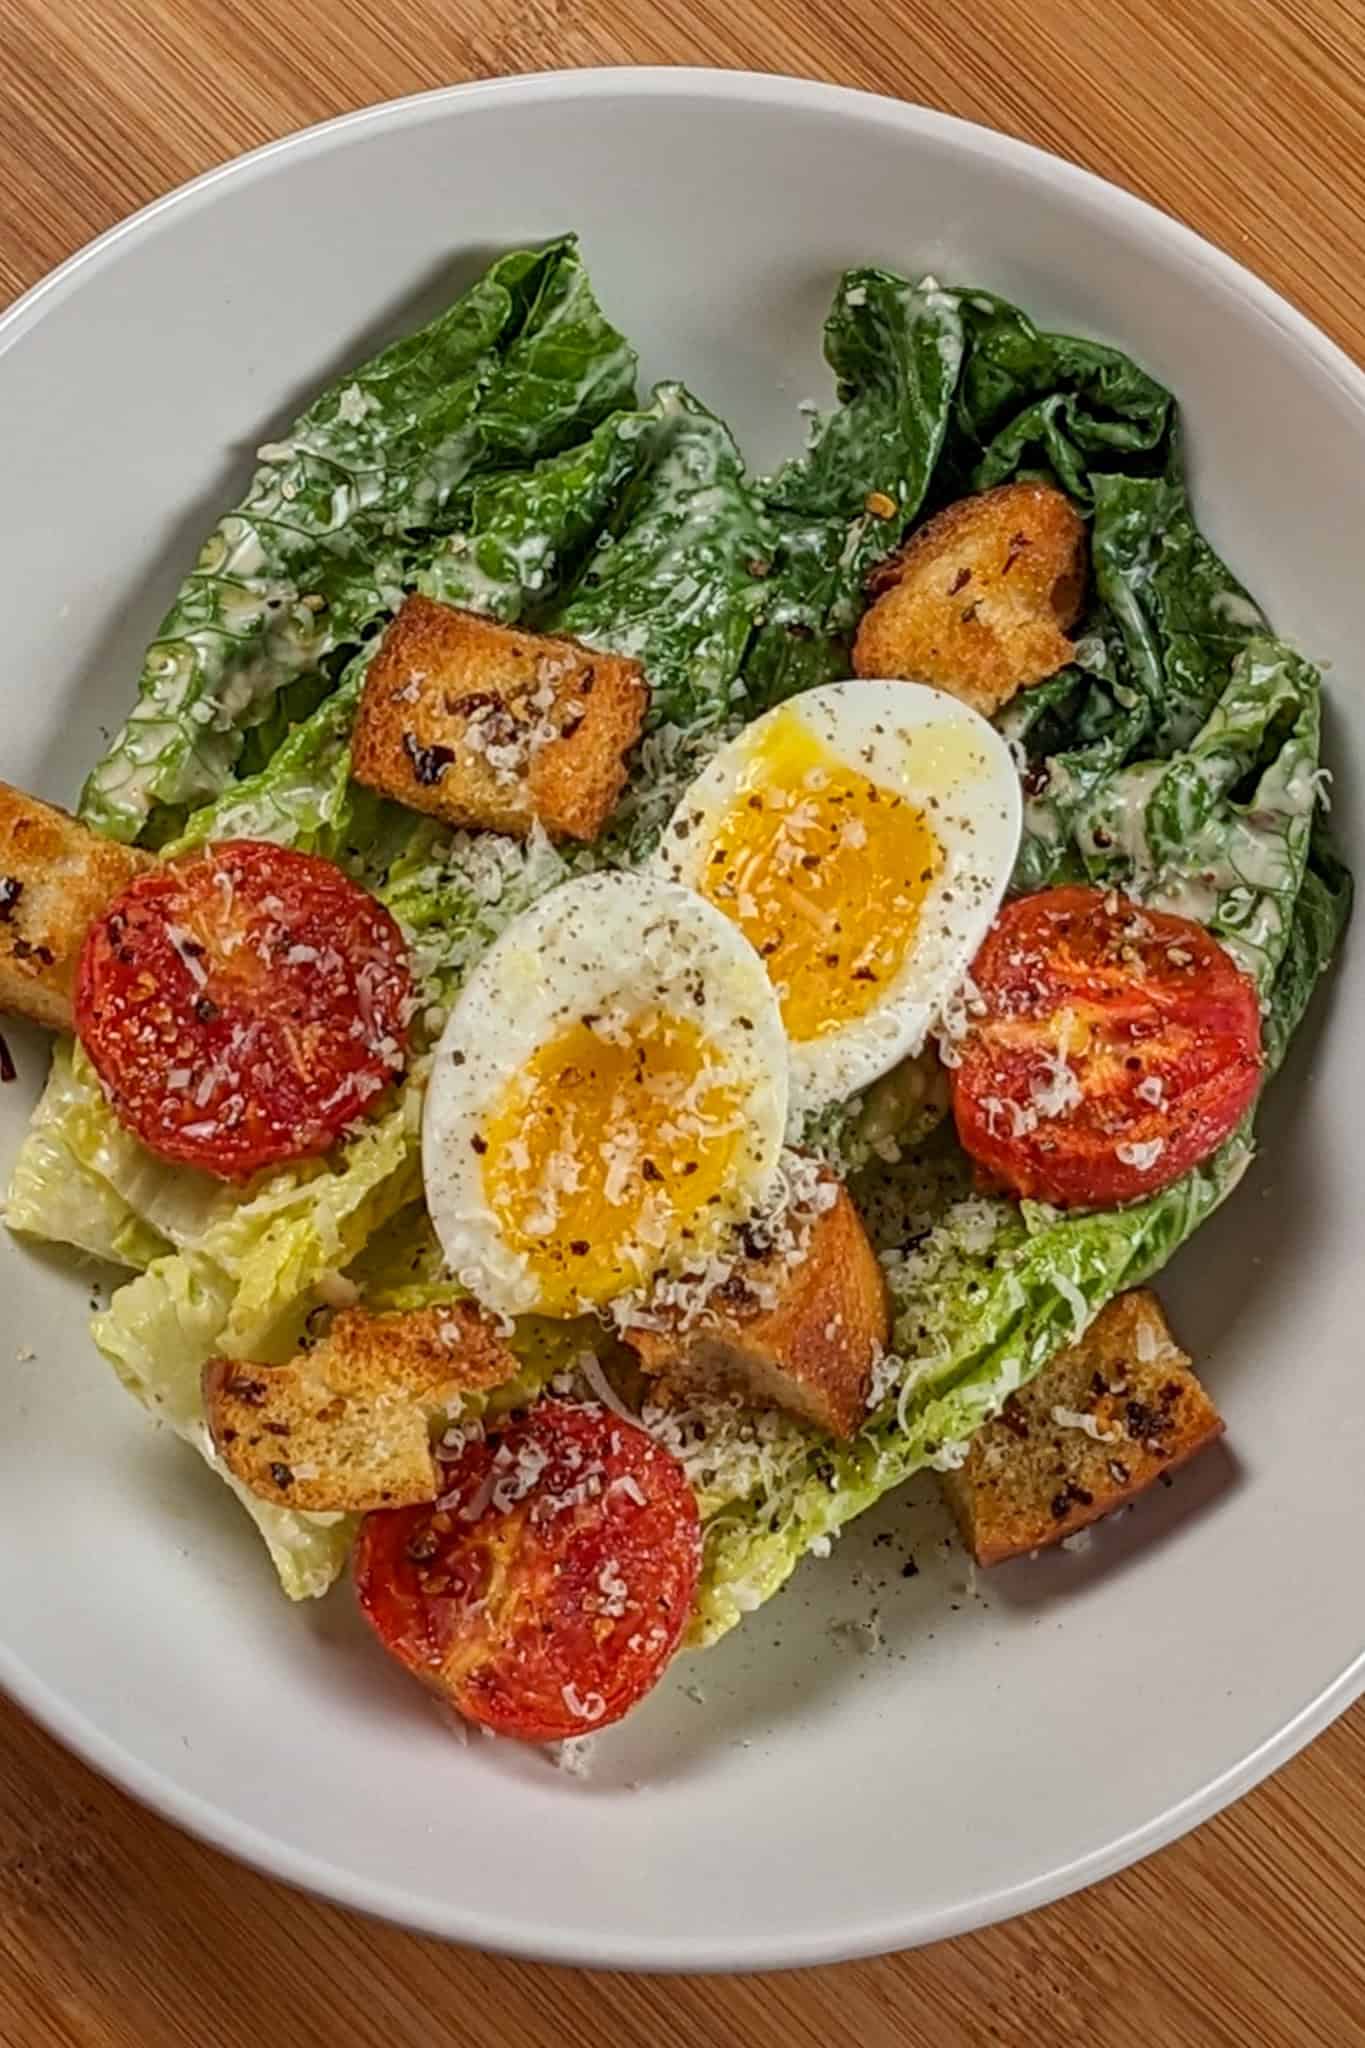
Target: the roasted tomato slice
(547, 1590)
(243, 1005)
(1119, 1047)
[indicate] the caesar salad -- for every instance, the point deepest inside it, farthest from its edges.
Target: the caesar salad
(610, 1009)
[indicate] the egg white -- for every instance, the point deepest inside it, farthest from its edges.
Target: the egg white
(607, 944)
(942, 758)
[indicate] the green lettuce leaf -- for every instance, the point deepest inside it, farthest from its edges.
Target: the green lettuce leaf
(523, 535)
(1220, 832)
(1158, 652)
(318, 548)
(82, 1179)
(59, 1190)
(244, 1289)
(303, 796)
(565, 369)
(677, 579)
(1183, 615)
(895, 348)
(1030, 401)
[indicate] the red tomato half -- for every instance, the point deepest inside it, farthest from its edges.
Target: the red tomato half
(243, 1005)
(1118, 1048)
(547, 1593)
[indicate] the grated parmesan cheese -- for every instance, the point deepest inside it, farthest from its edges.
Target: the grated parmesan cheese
(1075, 1301)
(590, 1366)
(1059, 1091)
(187, 951)
(614, 1590)
(955, 1019)
(584, 1707)
(517, 1474)
(334, 1290)
(1072, 1418)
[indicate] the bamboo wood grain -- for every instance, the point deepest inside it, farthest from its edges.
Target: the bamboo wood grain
(1247, 119)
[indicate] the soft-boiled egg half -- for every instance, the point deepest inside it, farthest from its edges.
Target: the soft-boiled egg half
(608, 1097)
(860, 837)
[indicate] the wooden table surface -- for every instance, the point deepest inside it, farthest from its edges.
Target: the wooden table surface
(1247, 119)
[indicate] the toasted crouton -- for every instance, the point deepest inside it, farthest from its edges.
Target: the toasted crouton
(798, 1333)
(491, 727)
(344, 1427)
(56, 876)
(1096, 1428)
(979, 600)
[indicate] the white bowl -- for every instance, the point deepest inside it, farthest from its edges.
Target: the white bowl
(1002, 1747)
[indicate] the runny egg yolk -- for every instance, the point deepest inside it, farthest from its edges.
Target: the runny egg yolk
(613, 1144)
(824, 872)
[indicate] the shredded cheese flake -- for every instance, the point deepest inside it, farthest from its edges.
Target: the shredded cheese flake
(1089, 1425)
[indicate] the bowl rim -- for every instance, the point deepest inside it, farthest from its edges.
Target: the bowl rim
(899, 1929)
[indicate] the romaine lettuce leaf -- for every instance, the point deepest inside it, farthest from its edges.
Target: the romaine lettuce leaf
(1183, 615)
(1032, 401)
(677, 581)
(57, 1190)
(253, 1272)
(896, 350)
(1220, 831)
(244, 1289)
(79, 1173)
(319, 547)
(565, 368)
(523, 535)
(895, 347)
(303, 796)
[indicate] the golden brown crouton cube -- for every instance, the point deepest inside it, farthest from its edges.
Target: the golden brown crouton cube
(56, 876)
(1096, 1428)
(797, 1332)
(345, 1426)
(978, 602)
(494, 728)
